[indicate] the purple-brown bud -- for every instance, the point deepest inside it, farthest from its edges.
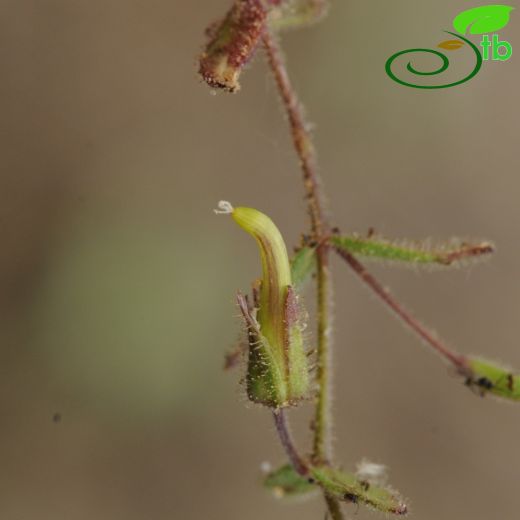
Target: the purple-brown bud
(232, 44)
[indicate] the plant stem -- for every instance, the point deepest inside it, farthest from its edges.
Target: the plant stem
(301, 137)
(282, 427)
(320, 227)
(334, 508)
(322, 448)
(458, 360)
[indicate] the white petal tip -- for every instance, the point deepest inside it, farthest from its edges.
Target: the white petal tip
(224, 208)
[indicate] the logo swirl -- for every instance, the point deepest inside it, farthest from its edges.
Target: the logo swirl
(444, 66)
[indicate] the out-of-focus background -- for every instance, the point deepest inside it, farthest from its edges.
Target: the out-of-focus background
(117, 281)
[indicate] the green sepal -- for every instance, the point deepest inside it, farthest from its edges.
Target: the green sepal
(296, 357)
(266, 382)
(348, 488)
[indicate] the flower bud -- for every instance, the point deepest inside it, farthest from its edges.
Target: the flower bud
(277, 372)
(232, 44)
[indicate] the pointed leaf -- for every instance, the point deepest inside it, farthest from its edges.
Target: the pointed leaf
(483, 19)
(349, 488)
(454, 252)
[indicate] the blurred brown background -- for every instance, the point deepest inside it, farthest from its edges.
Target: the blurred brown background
(117, 281)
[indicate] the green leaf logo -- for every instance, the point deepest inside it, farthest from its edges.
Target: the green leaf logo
(481, 20)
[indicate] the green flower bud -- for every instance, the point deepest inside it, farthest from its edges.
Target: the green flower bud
(277, 372)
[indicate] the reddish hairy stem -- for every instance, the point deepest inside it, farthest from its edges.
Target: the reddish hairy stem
(301, 137)
(458, 360)
(285, 436)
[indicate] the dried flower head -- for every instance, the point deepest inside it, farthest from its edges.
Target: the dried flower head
(232, 44)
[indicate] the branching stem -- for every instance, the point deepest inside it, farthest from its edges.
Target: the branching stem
(411, 321)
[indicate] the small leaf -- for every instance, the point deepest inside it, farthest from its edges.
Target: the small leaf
(285, 483)
(349, 488)
(303, 265)
(483, 19)
(488, 377)
(297, 13)
(418, 253)
(451, 45)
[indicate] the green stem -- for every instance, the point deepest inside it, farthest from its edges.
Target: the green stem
(320, 228)
(321, 425)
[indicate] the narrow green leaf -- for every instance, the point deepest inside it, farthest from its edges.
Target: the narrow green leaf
(483, 19)
(349, 488)
(285, 483)
(303, 265)
(488, 377)
(418, 253)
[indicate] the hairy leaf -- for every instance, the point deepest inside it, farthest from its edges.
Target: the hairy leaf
(349, 488)
(417, 253)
